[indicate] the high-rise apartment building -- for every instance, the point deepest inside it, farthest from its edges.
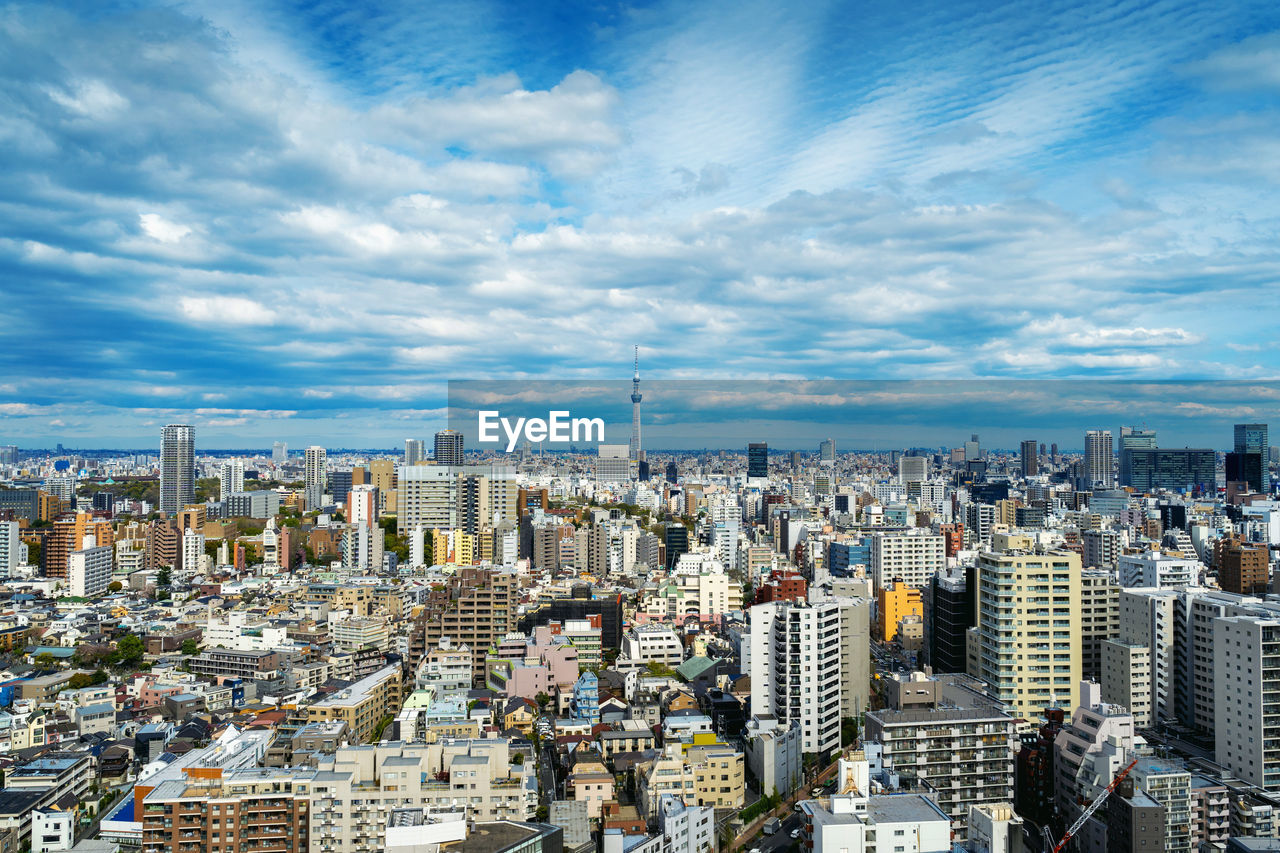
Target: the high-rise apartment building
(279, 452)
(1099, 619)
(808, 663)
(89, 569)
(1028, 629)
(1030, 461)
(177, 467)
(1098, 453)
(964, 753)
(230, 478)
(758, 459)
(949, 614)
(316, 477)
(1246, 649)
(68, 535)
(448, 447)
(1243, 567)
(913, 558)
(415, 451)
(12, 551)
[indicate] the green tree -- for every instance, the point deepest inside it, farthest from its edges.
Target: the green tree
(131, 649)
(190, 647)
(46, 660)
(115, 586)
(164, 577)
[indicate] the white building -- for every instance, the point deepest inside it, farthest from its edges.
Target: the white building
(686, 829)
(316, 477)
(1126, 679)
(799, 656)
(13, 554)
(230, 477)
(774, 753)
(1246, 650)
(52, 830)
(855, 822)
(89, 569)
(913, 558)
(1158, 569)
(642, 644)
(193, 556)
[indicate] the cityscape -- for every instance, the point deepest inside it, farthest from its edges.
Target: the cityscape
(639, 427)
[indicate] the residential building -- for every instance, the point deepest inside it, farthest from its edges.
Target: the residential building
(230, 478)
(1246, 697)
(912, 558)
(448, 448)
(1027, 636)
(1099, 619)
(774, 753)
(89, 569)
(964, 754)
(362, 705)
(177, 468)
(1098, 459)
(316, 477)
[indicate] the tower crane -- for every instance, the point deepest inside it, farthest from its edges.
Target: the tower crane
(1093, 807)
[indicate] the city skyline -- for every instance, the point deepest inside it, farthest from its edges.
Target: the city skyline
(324, 230)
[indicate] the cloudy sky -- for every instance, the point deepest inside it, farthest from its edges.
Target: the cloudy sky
(298, 222)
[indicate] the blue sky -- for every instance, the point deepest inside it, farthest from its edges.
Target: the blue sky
(296, 222)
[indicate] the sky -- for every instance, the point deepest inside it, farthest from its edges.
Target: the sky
(299, 222)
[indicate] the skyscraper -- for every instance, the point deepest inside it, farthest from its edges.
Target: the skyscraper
(1097, 458)
(1030, 462)
(1249, 462)
(448, 450)
(279, 452)
(177, 467)
(758, 459)
(316, 477)
(827, 452)
(612, 463)
(415, 450)
(1131, 439)
(636, 451)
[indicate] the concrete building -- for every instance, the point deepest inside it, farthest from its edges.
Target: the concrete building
(1027, 636)
(774, 753)
(1158, 569)
(316, 477)
(913, 558)
(362, 705)
(1099, 619)
(177, 468)
(965, 755)
(1246, 700)
(89, 570)
(1126, 679)
(803, 659)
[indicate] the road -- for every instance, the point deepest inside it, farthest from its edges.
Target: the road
(547, 779)
(781, 839)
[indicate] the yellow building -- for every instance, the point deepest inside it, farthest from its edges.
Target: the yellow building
(362, 705)
(893, 602)
(1028, 632)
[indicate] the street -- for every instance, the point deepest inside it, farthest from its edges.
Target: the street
(781, 839)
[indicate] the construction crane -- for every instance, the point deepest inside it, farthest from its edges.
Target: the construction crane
(1093, 807)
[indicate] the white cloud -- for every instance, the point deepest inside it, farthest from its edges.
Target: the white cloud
(159, 228)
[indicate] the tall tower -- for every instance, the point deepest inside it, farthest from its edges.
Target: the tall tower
(177, 467)
(1098, 455)
(637, 452)
(316, 477)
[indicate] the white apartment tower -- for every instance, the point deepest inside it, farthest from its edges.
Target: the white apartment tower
(799, 657)
(177, 467)
(89, 569)
(316, 477)
(230, 477)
